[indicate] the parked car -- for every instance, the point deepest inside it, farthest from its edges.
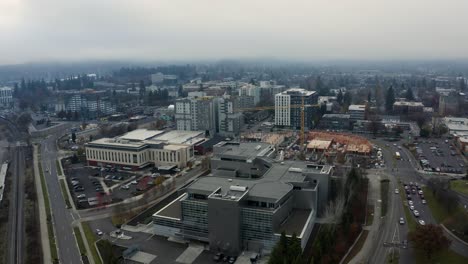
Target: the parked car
(416, 213)
(232, 260)
(410, 202)
(421, 222)
(423, 201)
(411, 207)
(81, 196)
(134, 182)
(402, 221)
(99, 232)
(125, 187)
(79, 189)
(397, 191)
(218, 257)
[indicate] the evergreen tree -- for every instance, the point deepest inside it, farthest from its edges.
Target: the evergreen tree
(462, 84)
(339, 97)
(390, 99)
(347, 98)
(409, 94)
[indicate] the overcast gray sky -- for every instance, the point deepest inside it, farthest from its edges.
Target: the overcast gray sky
(45, 30)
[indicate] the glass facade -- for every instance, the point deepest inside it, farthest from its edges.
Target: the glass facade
(257, 225)
(195, 217)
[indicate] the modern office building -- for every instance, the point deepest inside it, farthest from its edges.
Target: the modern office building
(288, 107)
(230, 122)
(403, 107)
(196, 113)
(357, 112)
(6, 96)
(140, 148)
(247, 201)
(335, 122)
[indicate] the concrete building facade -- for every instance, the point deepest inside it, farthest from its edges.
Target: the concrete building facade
(254, 196)
(230, 122)
(196, 113)
(6, 96)
(140, 148)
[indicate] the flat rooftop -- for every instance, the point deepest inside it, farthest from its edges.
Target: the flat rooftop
(274, 185)
(246, 150)
(295, 223)
(181, 137)
(356, 108)
(172, 210)
(141, 134)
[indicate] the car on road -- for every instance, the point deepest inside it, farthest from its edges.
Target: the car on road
(416, 213)
(125, 187)
(421, 222)
(402, 221)
(420, 192)
(397, 191)
(99, 232)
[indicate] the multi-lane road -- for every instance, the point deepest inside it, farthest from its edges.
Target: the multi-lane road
(398, 172)
(61, 216)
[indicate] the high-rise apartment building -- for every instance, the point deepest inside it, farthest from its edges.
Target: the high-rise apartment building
(230, 122)
(6, 96)
(288, 107)
(196, 113)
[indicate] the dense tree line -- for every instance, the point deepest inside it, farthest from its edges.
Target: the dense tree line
(31, 93)
(287, 250)
(79, 82)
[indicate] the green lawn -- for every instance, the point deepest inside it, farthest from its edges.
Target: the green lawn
(460, 186)
(79, 240)
(445, 257)
(65, 193)
(384, 185)
(91, 238)
(438, 211)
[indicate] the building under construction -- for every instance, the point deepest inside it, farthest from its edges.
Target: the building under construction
(332, 143)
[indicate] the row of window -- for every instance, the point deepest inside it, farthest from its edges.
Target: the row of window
(125, 157)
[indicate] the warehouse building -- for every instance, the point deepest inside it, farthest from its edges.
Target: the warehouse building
(141, 148)
(252, 194)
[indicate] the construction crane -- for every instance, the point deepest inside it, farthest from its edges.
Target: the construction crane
(302, 106)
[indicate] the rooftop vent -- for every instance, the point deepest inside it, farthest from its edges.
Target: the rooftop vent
(295, 170)
(238, 188)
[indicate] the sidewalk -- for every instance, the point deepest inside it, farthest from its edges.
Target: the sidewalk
(373, 199)
(42, 214)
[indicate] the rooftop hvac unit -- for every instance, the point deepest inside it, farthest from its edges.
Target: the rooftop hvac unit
(238, 188)
(295, 170)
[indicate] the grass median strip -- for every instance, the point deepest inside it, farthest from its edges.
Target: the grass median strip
(384, 186)
(79, 240)
(50, 228)
(91, 238)
(59, 168)
(65, 193)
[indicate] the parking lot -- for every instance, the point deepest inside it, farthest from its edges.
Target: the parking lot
(92, 187)
(440, 156)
